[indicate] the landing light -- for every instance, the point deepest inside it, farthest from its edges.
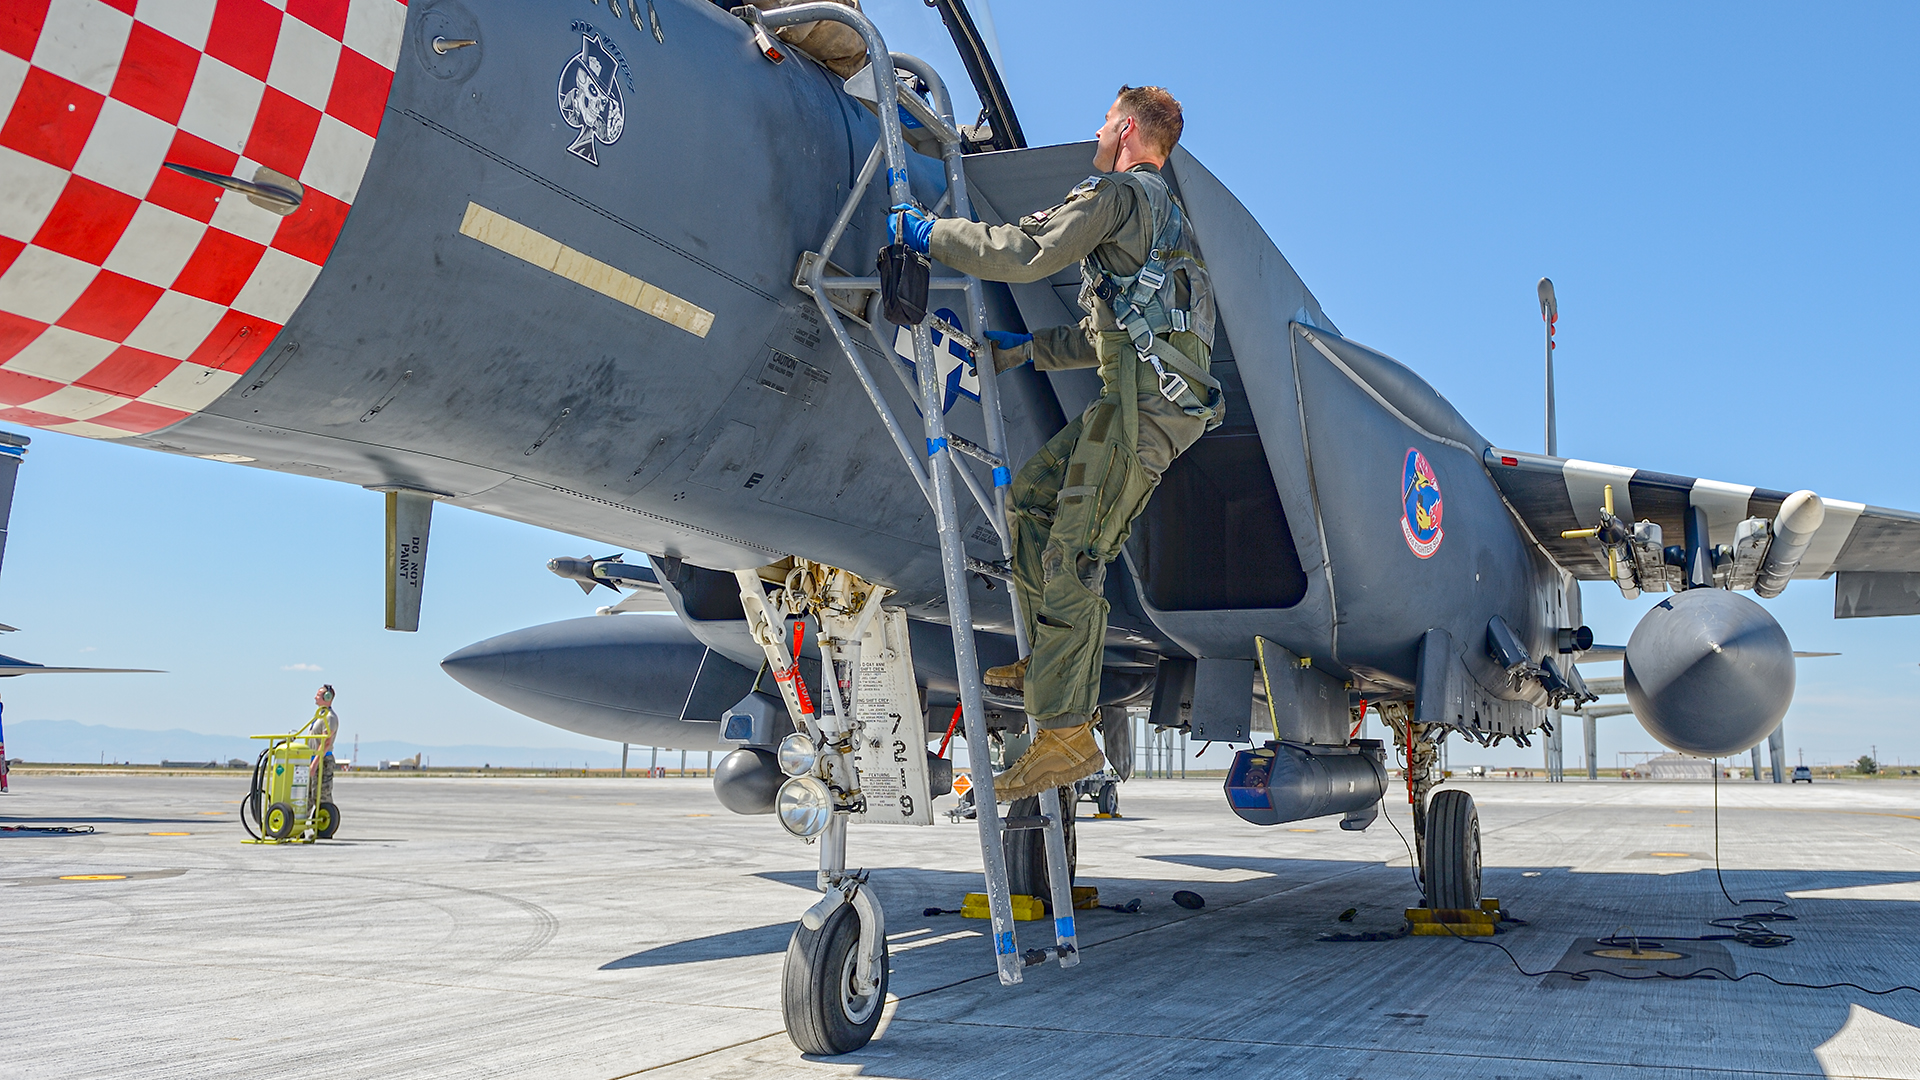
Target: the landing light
(796, 754)
(804, 806)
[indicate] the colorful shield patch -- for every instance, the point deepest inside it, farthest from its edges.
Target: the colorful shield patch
(1420, 506)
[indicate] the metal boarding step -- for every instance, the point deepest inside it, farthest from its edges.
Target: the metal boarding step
(839, 296)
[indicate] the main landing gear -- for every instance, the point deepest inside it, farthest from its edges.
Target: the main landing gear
(1452, 856)
(1446, 828)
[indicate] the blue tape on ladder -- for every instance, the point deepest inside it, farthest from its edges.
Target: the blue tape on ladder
(1003, 943)
(1063, 927)
(896, 175)
(1002, 476)
(934, 446)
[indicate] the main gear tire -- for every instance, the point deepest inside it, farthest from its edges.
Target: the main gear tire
(1027, 848)
(326, 820)
(278, 822)
(1453, 851)
(824, 1014)
(1107, 801)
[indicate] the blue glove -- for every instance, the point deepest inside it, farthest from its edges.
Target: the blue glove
(911, 224)
(1007, 341)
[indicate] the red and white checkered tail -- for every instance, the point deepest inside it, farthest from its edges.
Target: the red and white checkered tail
(132, 295)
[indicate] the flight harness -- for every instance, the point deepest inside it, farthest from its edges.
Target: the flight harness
(1144, 303)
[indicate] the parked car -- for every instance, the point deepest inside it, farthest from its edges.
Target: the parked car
(1801, 772)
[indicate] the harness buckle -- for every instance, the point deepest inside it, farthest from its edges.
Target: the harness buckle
(1177, 319)
(1151, 278)
(1171, 384)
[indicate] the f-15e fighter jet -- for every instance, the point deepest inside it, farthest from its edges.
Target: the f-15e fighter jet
(608, 268)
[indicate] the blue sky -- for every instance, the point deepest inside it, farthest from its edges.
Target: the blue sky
(1723, 195)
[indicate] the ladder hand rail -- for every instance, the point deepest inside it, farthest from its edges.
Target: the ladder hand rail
(1061, 885)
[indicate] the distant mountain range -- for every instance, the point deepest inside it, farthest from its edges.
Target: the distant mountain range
(71, 742)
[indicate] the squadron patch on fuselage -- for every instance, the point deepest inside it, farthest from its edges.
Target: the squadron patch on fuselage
(1420, 506)
(590, 100)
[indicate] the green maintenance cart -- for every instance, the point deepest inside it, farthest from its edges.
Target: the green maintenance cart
(285, 805)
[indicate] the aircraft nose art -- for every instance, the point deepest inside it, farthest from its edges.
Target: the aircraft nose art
(132, 295)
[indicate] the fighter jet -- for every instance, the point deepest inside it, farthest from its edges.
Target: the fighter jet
(608, 269)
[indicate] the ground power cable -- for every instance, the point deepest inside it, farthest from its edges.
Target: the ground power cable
(1749, 929)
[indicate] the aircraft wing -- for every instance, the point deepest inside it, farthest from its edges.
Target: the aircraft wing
(12, 666)
(1874, 550)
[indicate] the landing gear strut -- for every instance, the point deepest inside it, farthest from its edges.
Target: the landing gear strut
(1446, 831)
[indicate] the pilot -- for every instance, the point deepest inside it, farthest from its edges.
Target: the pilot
(1150, 332)
(325, 723)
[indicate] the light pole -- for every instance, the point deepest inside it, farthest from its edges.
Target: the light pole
(1549, 314)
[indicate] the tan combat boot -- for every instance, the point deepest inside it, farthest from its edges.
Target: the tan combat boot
(1007, 676)
(1058, 756)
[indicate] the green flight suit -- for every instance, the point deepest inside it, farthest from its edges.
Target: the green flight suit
(1074, 501)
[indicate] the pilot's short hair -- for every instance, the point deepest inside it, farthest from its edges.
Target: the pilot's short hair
(1157, 113)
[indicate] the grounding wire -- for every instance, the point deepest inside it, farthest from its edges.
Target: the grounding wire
(1749, 929)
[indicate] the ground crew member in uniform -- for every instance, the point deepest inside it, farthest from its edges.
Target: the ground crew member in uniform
(325, 723)
(1150, 332)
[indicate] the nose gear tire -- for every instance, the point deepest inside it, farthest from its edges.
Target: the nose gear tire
(1453, 851)
(823, 1013)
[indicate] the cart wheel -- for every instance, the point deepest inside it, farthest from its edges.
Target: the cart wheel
(823, 1014)
(278, 824)
(326, 820)
(1453, 851)
(1108, 800)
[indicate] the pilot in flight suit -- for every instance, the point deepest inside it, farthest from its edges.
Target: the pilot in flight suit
(1150, 332)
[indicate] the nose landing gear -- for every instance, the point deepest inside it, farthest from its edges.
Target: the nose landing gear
(820, 999)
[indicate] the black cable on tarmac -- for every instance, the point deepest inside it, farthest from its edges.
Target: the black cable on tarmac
(1749, 929)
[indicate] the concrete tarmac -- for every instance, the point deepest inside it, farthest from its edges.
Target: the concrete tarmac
(589, 928)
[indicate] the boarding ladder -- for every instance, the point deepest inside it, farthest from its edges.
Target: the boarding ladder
(935, 468)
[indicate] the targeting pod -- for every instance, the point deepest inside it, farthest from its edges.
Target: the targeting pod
(1282, 782)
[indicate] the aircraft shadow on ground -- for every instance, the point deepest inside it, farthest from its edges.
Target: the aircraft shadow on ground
(1840, 1032)
(905, 891)
(754, 941)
